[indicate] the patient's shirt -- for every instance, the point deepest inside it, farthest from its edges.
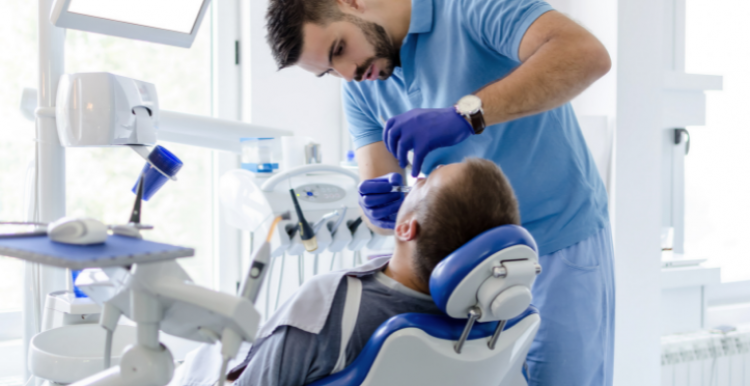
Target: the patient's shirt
(293, 357)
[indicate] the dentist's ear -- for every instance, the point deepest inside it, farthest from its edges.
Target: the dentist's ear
(407, 229)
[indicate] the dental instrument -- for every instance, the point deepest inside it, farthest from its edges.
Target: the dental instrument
(333, 227)
(257, 271)
(133, 227)
(353, 225)
(306, 233)
(402, 189)
(319, 224)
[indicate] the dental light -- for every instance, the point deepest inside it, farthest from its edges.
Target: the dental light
(101, 109)
(172, 22)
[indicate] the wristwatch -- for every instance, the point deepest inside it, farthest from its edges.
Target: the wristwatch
(470, 107)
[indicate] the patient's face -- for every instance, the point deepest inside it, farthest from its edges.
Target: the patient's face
(440, 178)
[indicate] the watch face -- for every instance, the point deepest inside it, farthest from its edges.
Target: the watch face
(469, 104)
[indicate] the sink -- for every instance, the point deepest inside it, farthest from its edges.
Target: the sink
(70, 353)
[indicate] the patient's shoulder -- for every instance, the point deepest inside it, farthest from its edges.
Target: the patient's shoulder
(308, 308)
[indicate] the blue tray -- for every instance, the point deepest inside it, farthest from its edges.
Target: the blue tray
(116, 251)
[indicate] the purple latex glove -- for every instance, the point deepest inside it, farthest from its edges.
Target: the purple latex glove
(424, 130)
(378, 202)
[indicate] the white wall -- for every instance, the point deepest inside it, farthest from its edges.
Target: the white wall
(637, 184)
(630, 97)
(291, 98)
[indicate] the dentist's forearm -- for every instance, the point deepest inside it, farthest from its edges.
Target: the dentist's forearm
(559, 58)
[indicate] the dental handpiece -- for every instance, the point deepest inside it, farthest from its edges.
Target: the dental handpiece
(401, 189)
(258, 267)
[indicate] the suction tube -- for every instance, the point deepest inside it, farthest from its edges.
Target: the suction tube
(306, 233)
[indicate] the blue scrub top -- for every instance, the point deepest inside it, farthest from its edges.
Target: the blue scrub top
(456, 47)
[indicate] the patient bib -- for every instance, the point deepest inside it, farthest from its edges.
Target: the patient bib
(308, 308)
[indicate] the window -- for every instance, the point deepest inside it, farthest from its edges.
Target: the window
(718, 166)
(99, 180)
(17, 70)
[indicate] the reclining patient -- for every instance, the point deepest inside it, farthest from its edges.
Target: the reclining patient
(301, 343)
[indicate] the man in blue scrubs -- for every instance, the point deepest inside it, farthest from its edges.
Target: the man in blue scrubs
(447, 79)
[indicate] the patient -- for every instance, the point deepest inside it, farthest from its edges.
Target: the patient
(442, 212)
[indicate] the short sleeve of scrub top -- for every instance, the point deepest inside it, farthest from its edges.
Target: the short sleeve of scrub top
(502, 24)
(363, 128)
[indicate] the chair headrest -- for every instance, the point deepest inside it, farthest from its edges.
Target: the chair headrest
(465, 278)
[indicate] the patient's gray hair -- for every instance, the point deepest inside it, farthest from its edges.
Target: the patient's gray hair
(452, 216)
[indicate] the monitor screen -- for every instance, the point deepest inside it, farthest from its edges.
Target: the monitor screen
(172, 15)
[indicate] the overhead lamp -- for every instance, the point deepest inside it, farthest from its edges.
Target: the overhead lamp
(171, 22)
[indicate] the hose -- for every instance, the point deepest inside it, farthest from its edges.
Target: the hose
(281, 277)
(108, 349)
(333, 260)
(268, 288)
(301, 269)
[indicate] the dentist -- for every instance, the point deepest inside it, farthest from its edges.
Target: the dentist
(450, 79)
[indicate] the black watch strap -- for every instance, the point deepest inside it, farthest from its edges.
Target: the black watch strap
(477, 122)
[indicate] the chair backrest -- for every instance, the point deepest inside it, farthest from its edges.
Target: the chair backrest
(493, 272)
(486, 281)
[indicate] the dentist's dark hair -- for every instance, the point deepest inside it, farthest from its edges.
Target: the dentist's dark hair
(285, 19)
(448, 218)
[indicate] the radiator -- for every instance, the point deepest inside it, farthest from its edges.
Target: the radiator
(706, 358)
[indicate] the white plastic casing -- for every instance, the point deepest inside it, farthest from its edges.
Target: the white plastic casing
(499, 298)
(70, 353)
(250, 202)
(78, 231)
(412, 357)
(102, 109)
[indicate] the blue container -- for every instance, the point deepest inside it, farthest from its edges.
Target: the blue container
(258, 155)
(168, 165)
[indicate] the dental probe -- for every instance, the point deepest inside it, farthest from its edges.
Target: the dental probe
(251, 287)
(401, 189)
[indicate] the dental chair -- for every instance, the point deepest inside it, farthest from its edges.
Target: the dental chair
(484, 288)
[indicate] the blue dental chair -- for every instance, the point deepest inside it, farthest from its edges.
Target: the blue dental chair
(484, 288)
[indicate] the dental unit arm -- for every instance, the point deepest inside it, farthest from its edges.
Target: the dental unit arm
(161, 296)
